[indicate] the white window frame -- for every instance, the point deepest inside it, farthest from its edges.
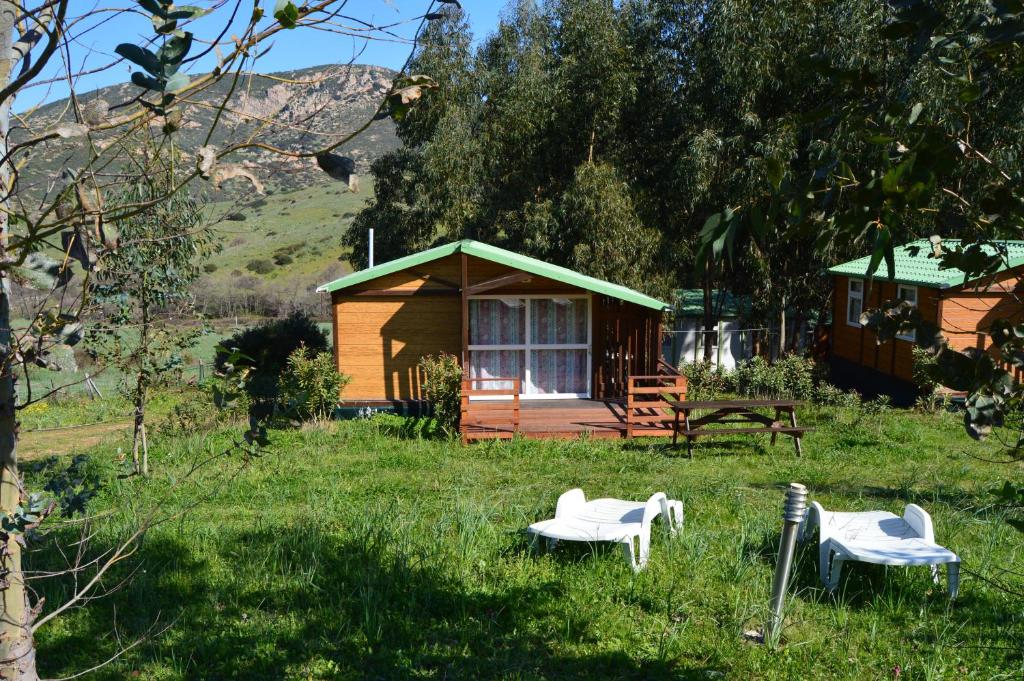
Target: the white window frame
(528, 346)
(900, 288)
(854, 295)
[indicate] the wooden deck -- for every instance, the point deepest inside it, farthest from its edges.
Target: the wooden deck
(565, 419)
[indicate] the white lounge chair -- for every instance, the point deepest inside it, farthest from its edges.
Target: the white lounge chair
(609, 520)
(878, 537)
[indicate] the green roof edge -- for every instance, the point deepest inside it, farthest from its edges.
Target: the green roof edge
(502, 257)
(943, 279)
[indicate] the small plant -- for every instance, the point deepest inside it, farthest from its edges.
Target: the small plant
(187, 418)
(260, 266)
(876, 407)
(311, 385)
(442, 383)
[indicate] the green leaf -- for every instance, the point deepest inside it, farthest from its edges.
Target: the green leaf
(153, 7)
(173, 52)
(971, 92)
(144, 81)
(176, 82)
(140, 56)
(915, 113)
(775, 172)
(286, 13)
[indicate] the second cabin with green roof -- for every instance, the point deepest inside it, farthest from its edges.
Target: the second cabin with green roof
(502, 314)
(963, 310)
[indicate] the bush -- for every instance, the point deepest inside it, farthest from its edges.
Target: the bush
(260, 266)
(792, 377)
(703, 380)
(283, 259)
(442, 383)
(268, 347)
(311, 385)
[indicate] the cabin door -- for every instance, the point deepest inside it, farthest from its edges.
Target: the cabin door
(543, 340)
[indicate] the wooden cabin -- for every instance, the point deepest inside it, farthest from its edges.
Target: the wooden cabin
(962, 310)
(560, 346)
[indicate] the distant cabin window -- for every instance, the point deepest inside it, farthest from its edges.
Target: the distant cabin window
(909, 294)
(855, 302)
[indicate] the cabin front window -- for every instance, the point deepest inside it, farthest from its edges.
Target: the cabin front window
(909, 294)
(855, 302)
(542, 340)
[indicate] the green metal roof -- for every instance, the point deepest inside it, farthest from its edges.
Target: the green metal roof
(690, 303)
(913, 266)
(502, 257)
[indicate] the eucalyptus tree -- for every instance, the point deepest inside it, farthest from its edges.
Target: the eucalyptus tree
(186, 50)
(429, 187)
(142, 291)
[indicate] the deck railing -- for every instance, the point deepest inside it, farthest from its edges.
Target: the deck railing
(494, 418)
(646, 402)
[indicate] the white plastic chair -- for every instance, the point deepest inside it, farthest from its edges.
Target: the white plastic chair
(609, 520)
(878, 537)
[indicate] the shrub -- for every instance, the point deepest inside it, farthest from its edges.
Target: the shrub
(442, 383)
(268, 346)
(283, 259)
(260, 266)
(703, 380)
(311, 384)
(793, 377)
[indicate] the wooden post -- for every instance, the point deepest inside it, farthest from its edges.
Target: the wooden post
(718, 359)
(464, 293)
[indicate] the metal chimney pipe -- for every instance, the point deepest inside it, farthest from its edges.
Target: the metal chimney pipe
(371, 247)
(792, 515)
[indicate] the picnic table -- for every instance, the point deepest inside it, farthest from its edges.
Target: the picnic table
(740, 412)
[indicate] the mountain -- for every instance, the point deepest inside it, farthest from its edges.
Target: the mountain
(301, 110)
(277, 247)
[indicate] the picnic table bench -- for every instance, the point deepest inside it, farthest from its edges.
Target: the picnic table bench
(740, 412)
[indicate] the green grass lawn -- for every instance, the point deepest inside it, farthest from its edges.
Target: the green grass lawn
(361, 551)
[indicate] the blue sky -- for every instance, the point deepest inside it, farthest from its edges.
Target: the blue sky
(292, 50)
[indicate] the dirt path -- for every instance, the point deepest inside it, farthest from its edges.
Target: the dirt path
(37, 444)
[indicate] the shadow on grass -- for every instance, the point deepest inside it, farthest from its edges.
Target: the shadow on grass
(300, 602)
(710, 448)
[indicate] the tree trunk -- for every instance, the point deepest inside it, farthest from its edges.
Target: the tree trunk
(709, 317)
(17, 647)
(782, 328)
(141, 465)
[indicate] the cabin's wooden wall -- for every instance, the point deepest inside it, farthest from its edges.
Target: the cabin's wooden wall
(627, 341)
(859, 345)
(380, 339)
(968, 311)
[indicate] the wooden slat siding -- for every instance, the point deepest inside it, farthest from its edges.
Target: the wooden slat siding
(894, 358)
(629, 345)
(446, 268)
(379, 342)
(481, 270)
(967, 313)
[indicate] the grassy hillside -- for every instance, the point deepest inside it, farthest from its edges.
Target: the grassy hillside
(280, 247)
